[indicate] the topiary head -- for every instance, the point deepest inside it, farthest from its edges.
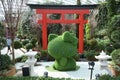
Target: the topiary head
(64, 45)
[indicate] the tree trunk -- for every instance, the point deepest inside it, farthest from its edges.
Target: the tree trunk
(13, 31)
(38, 39)
(13, 54)
(0, 52)
(77, 16)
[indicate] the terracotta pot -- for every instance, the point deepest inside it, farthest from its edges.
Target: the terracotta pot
(114, 72)
(10, 72)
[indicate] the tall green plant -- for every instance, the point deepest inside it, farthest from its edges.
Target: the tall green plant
(114, 29)
(101, 17)
(87, 31)
(111, 7)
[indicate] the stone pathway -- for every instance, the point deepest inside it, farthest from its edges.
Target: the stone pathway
(82, 73)
(18, 52)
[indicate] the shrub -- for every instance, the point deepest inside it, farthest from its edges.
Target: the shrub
(19, 36)
(34, 41)
(2, 42)
(37, 56)
(116, 56)
(92, 42)
(90, 55)
(103, 43)
(24, 42)
(21, 59)
(24, 58)
(109, 49)
(17, 44)
(115, 35)
(116, 45)
(102, 33)
(114, 29)
(29, 46)
(105, 77)
(35, 78)
(108, 77)
(116, 67)
(45, 56)
(5, 62)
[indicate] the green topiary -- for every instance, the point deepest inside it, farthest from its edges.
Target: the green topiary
(109, 49)
(116, 45)
(115, 35)
(114, 29)
(63, 48)
(116, 56)
(29, 46)
(92, 42)
(17, 44)
(34, 41)
(24, 42)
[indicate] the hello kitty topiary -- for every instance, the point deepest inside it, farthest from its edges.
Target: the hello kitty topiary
(63, 48)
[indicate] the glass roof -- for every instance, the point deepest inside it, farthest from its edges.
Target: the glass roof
(58, 2)
(65, 2)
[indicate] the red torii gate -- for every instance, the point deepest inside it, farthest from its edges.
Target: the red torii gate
(54, 9)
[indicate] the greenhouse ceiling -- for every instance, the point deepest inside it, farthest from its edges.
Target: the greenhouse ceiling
(65, 2)
(58, 2)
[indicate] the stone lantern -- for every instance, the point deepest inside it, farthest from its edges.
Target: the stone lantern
(31, 60)
(102, 58)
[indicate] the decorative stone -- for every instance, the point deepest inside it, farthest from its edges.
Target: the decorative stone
(103, 58)
(103, 61)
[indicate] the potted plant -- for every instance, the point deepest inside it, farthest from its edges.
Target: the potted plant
(6, 67)
(115, 65)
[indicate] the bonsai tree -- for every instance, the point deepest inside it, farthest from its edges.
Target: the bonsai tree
(63, 48)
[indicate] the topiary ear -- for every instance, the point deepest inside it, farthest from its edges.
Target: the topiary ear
(52, 36)
(69, 37)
